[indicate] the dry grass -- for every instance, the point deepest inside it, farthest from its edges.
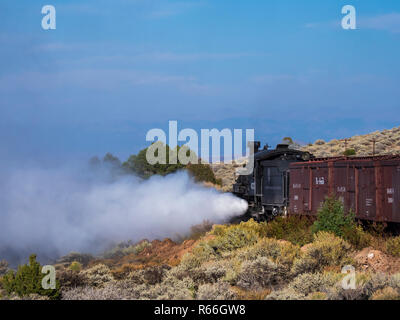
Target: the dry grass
(386, 142)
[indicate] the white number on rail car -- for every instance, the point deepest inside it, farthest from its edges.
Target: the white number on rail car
(390, 191)
(320, 181)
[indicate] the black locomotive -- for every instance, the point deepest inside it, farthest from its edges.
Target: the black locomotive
(267, 188)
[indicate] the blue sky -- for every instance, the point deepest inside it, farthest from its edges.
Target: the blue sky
(112, 70)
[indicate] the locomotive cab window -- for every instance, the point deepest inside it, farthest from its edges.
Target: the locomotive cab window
(272, 177)
(272, 185)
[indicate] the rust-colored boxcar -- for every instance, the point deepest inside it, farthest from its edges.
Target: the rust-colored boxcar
(369, 186)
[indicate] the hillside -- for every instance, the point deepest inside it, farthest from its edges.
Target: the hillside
(280, 260)
(226, 172)
(386, 142)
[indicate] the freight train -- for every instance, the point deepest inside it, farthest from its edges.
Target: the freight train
(292, 182)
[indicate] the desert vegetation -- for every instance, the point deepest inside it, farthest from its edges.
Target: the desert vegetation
(288, 258)
(386, 142)
(138, 165)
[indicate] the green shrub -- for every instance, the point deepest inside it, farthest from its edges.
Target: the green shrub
(317, 296)
(116, 290)
(314, 282)
(278, 251)
(394, 281)
(28, 280)
(376, 282)
(139, 165)
(229, 238)
(201, 172)
(260, 274)
(331, 249)
(376, 229)
(270, 248)
(250, 230)
(285, 294)
(216, 291)
(150, 275)
(338, 293)
(387, 293)
(294, 229)
(201, 253)
(70, 279)
(75, 266)
(349, 152)
(171, 289)
(366, 286)
(209, 272)
(98, 275)
(332, 218)
(249, 226)
(393, 246)
(356, 236)
(305, 264)
(326, 250)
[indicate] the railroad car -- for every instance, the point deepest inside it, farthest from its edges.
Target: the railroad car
(287, 181)
(369, 186)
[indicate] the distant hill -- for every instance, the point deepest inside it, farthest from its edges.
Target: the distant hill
(386, 142)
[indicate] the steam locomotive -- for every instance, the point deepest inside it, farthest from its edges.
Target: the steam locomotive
(267, 189)
(287, 181)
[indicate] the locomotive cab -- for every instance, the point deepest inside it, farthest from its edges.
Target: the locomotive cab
(267, 188)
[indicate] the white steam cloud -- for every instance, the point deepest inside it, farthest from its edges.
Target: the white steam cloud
(58, 211)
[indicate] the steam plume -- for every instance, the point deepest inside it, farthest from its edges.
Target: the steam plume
(55, 211)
